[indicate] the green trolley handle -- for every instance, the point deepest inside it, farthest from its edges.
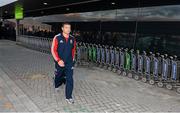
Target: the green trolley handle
(127, 61)
(94, 54)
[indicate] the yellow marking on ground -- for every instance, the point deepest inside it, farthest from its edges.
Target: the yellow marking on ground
(8, 105)
(1, 97)
(37, 76)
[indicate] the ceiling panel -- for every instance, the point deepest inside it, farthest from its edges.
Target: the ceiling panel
(49, 7)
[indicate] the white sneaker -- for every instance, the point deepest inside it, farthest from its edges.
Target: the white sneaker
(70, 101)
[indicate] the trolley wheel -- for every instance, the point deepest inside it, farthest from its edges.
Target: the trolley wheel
(95, 64)
(114, 70)
(160, 84)
(169, 86)
(109, 68)
(106, 67)
(178, 90)
(102, 66)
(124, 73)
(136, 77)
(152, 82)
(119, 72)
(130, 75)
(144, 79)
(77, 63)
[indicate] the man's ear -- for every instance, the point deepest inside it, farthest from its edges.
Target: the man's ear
(62, 28)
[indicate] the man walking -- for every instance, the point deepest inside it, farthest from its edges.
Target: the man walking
(63, 52)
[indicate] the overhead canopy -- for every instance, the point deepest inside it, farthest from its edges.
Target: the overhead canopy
(5, 2)
(33, 8)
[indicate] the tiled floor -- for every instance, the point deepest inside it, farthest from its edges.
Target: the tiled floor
(26, 86)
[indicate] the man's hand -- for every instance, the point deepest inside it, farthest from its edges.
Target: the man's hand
(61, 63)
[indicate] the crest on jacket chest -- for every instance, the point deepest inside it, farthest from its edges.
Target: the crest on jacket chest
(71, 41)
(61, 41)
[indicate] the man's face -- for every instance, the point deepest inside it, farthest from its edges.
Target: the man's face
(66, 29)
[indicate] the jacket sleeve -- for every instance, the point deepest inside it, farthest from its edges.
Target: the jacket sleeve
(74, 49)
(54, 49)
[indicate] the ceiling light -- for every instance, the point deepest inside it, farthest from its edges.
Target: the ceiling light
(113, 3)
(67, 9)
(45, 3)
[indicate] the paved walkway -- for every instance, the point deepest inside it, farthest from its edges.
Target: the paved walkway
(26, 86)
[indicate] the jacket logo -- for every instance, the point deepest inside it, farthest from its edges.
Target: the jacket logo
(61, 41)
(71, 41)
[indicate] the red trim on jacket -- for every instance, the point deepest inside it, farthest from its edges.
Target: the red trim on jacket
(74, 49)
(54, 49)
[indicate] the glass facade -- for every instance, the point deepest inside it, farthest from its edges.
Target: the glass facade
(153, 29)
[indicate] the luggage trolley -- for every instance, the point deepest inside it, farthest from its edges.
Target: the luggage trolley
(173, 80)
(126, 63)
(155, 68)
(107, 57)
(85, 52)
(133, 63)
(147, 68)
(117, 66)
(164, 72)
(82, 52)
(102, 61)
(49, 44)
(90, 52)
(78, 48)
(112, 59)
(175, 73)
(94, 53)
(139, 72)
(121, 67)
(98, 48)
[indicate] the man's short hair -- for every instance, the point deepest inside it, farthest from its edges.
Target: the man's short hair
(65, 23)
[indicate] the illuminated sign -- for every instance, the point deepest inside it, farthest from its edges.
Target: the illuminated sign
(18, 11)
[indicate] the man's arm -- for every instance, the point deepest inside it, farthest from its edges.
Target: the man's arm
(74, 50)
(54, 49)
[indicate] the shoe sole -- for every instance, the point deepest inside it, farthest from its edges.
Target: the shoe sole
(69, 101)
